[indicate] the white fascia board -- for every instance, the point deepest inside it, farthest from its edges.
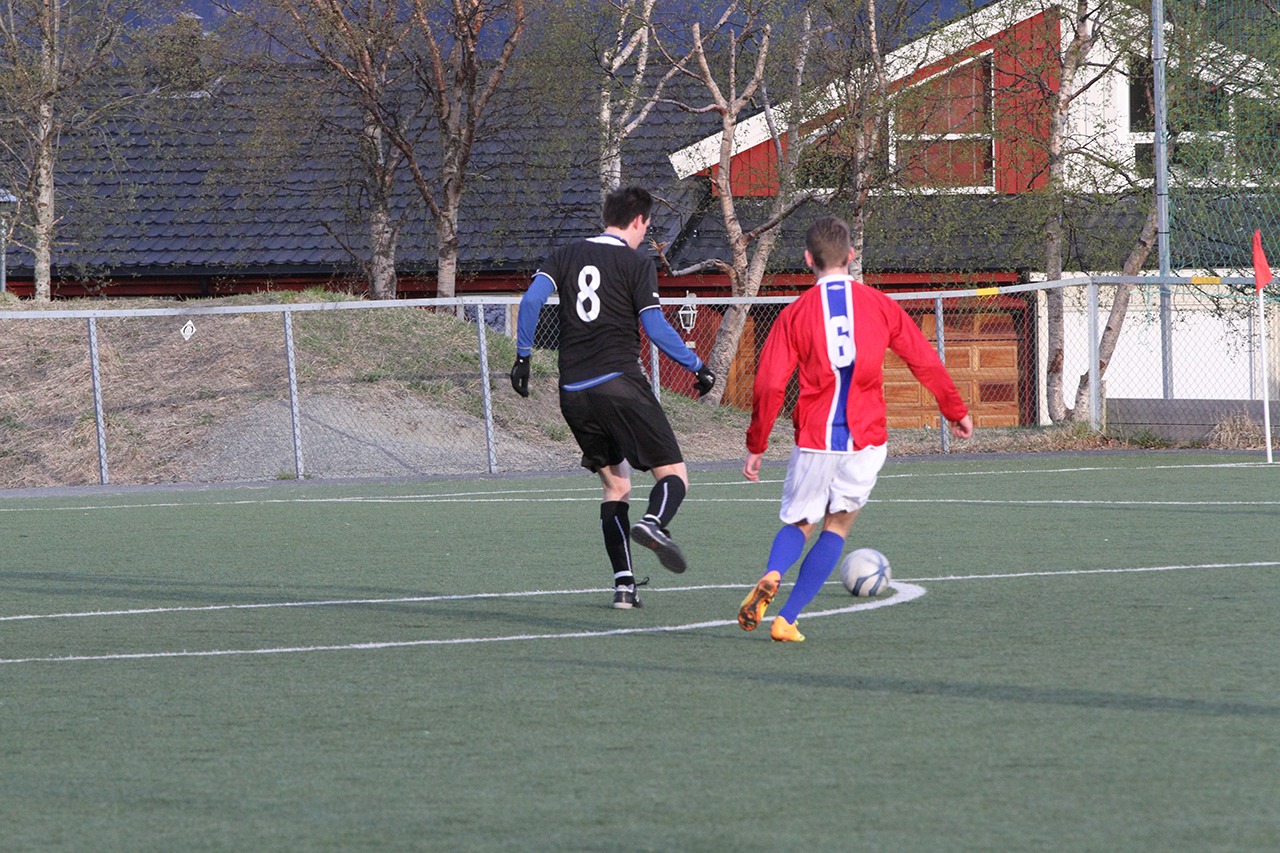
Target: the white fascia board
(747, 134)
(959, 35)
(901, 63)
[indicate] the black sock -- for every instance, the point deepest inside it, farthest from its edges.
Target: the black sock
(615, 526)
(665, 499)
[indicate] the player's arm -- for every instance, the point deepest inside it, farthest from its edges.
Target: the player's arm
(669, 341)
(540, 290)
(910, 344)
(778, 361)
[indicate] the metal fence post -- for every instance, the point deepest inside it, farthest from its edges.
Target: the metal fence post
(293, 395)
(1095, 392)
(942, 354)
(98, 416)
(484, 390)
(1161, 109)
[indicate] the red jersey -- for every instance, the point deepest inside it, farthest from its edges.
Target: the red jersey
(837, 333)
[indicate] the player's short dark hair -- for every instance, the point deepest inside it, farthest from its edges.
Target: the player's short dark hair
(623, 205)
(828, 242)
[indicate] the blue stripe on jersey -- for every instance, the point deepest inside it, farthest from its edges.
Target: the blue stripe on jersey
(590, 383)
(838, 314)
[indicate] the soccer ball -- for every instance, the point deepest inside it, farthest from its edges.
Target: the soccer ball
(865, 572)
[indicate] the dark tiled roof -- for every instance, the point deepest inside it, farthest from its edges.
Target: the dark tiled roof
(943, 233)
(195, 198)
(200, 193)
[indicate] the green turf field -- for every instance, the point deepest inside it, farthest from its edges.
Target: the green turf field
(1091, 662)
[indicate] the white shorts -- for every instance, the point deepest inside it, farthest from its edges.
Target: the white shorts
(819, 482)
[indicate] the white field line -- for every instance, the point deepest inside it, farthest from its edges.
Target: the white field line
(594, 498)
(592, 492)
(775, 500)
(422, 599)
(1259, 564)
(904, 591)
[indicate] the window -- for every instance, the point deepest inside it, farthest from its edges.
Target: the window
(943, 129)
(1142, 117)
(1199, 119)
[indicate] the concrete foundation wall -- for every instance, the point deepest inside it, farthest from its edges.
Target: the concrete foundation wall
(1179, 420)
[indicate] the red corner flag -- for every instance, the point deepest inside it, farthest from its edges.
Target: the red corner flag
(1261, 269)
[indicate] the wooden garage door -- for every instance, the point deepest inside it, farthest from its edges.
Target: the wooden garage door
(983, 359)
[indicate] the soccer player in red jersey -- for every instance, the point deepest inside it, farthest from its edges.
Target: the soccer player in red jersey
(836, 333)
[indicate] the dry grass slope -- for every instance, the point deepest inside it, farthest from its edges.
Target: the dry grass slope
(388, 392)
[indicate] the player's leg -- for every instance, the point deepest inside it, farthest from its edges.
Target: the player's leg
(615, 525)
(818, 563)
(787, 547)
(804, 500)
(850, 485)
(672, 482)
(601, 455)
(632, 421)
(649, 443)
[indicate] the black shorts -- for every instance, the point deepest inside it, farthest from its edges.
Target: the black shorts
(620, 419)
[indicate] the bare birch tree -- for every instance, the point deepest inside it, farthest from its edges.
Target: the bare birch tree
(636, 68)
(422, 74)
(745, 53)
(360, 49)
(1081, 66)
(57, 58)
(1051, 68)
(465, 49)
(826, 138)
(1082, 28)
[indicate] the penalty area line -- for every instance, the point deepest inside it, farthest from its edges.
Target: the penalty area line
(426, 599)
(1054, 573)
(903, 592)
(414, 599)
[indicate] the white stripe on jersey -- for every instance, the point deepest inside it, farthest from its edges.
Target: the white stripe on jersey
(837, 315)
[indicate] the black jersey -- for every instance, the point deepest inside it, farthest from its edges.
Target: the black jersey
(603, 285)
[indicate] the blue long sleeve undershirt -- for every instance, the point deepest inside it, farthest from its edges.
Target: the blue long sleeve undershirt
(668, 339)
(540, 290)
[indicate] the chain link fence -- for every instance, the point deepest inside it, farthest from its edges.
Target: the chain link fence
(355, 389)
(1191, 374)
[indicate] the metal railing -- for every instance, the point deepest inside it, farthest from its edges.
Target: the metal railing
(406, 387)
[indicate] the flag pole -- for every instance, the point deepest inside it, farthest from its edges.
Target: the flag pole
(1262, 277)
(1266, 395)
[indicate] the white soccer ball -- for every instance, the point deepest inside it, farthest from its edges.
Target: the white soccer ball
(865, 572)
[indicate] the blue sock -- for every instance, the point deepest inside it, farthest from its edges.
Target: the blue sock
(788, 545)
(814, 571)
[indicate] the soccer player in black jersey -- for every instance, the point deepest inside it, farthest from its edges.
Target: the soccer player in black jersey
(607, 288)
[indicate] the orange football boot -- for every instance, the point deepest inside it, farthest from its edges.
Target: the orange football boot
(785, 632)
(757, 601)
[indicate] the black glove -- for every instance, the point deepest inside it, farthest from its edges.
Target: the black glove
(520, 375)
(706, 380)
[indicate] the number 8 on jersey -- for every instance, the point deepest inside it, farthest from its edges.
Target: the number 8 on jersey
(588, 300)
